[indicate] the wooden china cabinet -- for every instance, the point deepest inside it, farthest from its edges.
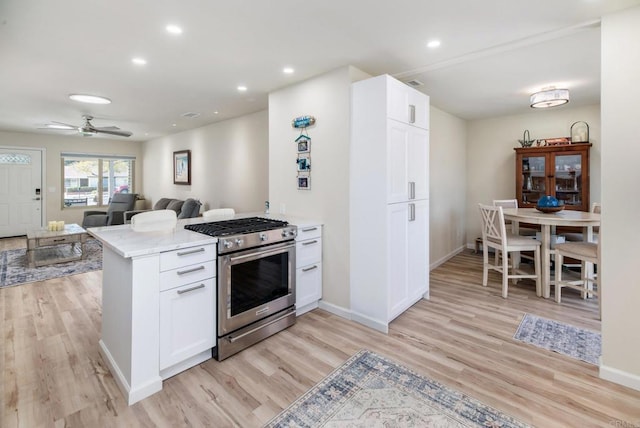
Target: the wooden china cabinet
(560, 171)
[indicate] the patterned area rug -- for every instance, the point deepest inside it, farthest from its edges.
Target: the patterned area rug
(372, 391)
(555, 336)
(14, 270)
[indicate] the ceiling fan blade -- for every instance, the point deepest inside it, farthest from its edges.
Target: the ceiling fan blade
(65, 124)
(107, 128)
(113, 132)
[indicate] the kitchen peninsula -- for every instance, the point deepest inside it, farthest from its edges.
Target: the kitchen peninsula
(159, 299)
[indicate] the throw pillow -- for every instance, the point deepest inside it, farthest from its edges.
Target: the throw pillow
(190, 208)
(175, 205)
(162, 204)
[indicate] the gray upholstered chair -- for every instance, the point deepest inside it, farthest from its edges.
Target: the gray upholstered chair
(120, 202)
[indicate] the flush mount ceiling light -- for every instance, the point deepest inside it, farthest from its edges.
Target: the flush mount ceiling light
(91, 99)
(549, 97)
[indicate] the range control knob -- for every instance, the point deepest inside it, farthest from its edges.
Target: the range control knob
(263, 236)
(285, 233)
(227, 244)
(239, 242)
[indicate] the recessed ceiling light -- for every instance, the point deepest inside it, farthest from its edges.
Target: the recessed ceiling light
(91, 99)
(242, 88)
(174, 29)
(215, 112)
(433, 44)
(288, 70)
(139, 61)
(173, 124)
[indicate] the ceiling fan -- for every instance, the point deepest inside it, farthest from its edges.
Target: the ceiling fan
(87, 129)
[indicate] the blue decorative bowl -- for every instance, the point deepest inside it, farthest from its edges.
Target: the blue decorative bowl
(549, 204)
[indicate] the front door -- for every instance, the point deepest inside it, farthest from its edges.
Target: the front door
(20, 190)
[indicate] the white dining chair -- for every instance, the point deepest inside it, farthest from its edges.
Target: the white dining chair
(578, 236)
(154, 221)
(494, 235)
(218, 214)
(588, 283)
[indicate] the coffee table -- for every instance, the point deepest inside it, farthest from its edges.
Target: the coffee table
(45, 247)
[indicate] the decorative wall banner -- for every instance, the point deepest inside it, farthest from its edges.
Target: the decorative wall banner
(303, 144)
(303, 121)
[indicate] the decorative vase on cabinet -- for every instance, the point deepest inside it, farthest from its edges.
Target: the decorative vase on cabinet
(389, 200)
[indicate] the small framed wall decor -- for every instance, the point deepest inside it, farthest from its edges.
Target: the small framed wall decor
(304, 182)
(304, 146)
(182, 167)
(304, 162)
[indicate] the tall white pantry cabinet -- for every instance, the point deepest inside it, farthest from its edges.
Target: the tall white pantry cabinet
(389, 200)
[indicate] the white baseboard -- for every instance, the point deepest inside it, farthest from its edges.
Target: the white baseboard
(370, 322)
(130, 395)
(306, 308)
(447, 257)
(334, 309)
(620, 377)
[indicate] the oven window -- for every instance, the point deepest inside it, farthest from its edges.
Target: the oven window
(257, 282)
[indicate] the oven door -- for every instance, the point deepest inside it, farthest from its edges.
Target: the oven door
(254, 284)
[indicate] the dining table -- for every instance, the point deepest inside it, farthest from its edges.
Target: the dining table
(546, 221)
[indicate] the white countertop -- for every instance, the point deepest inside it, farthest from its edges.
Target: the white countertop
(128, 243)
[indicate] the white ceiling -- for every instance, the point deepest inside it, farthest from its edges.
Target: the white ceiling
(494, 54)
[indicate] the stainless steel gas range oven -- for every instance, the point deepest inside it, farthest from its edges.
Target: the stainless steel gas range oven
(256, 280)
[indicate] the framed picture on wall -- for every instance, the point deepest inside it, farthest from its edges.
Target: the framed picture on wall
(304, 162)
(304, 146)
(182, 167)
(304, 182)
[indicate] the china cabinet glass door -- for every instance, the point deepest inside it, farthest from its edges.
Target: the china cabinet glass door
(568, 178)
(534, 180)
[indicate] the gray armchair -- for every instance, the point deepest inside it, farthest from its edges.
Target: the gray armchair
(120, 202)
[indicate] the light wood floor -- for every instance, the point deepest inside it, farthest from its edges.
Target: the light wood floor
(52, 374)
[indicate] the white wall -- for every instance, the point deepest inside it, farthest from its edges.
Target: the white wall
(327, 98)
(56, 144)
(620, 202)
(229, 164)
(491, 158)
(447, 192)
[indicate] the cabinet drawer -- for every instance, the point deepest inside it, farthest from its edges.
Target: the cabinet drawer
(309, 251)
(308, 284)
(186, 256)
(308, 232)
(187, 274)
(56, 240)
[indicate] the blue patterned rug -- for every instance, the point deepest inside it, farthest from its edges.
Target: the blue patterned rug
(372, 391)
(14, 270)
(555, 336)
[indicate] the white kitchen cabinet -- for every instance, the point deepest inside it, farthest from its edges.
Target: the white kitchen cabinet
(308, 268)
(187, 305)
(187, 321)
(389, 200)
(408, 162)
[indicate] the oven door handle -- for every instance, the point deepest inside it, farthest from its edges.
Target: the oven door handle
(265, 253)
(253, 330)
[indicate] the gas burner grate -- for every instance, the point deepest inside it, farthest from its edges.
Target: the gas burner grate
(236, 226)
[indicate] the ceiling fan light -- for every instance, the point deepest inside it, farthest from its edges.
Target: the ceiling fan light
(549, 98)
(56, 126)
(91, 99)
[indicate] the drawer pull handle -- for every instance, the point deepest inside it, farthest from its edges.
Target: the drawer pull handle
(310, 229)
(186, 253)
(197, 287)
(59, 240)
(315, 241)
(310, 268)
(196, 269)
